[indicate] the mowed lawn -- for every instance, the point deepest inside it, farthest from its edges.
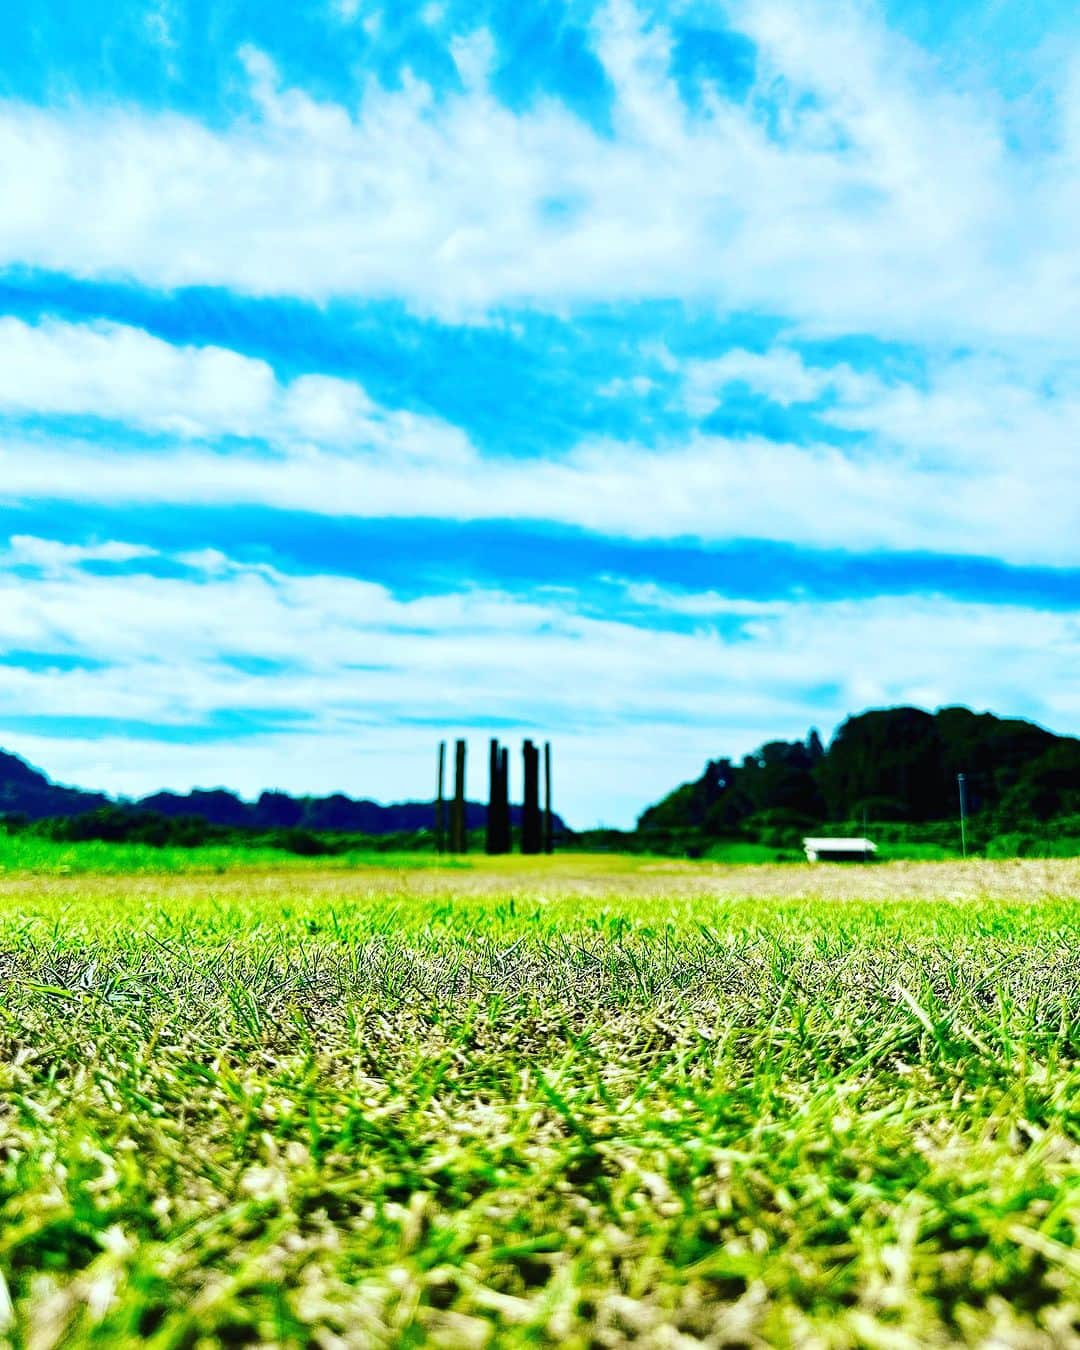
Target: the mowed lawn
(575, 1101)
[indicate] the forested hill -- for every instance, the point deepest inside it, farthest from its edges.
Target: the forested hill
(891, 764)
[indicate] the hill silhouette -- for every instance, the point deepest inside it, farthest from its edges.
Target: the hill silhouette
(28, 793)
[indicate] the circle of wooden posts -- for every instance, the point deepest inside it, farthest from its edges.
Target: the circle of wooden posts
(537, 833)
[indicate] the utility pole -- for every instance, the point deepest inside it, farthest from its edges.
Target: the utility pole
(961, 783)
(440, 802)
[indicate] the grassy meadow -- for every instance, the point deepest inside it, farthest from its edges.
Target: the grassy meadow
(575, 1101)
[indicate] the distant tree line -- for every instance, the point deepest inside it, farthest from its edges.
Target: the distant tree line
(31, 802)
(895, 766)
(119, 824)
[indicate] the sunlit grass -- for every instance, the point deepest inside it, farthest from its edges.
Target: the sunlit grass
(578, 1101)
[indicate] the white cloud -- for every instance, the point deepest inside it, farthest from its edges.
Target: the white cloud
(941, 452)
(124, 374)
(636, 386)
(854, 190)
(158, 24)
(708, 487)
(978, 414)
(474, 57)
(990, 417)
(701, 604)
(781, 375)
(50, 554)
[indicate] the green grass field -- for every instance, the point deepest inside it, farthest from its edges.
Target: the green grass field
(576, 1101)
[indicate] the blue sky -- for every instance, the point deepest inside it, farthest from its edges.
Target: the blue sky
(656, 378)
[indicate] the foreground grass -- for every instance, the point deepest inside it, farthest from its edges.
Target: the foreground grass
(579, 1102)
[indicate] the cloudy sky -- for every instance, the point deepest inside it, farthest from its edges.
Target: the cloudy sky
(659, 378)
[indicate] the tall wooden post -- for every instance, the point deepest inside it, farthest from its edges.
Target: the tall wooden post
(440, 802)
(493, 833)
(459, 836)
(458, 832)
(499, 835)
(549, 834)
(506, 834)
(530, 823)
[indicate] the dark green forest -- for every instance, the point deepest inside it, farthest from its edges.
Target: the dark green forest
(893, 772)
